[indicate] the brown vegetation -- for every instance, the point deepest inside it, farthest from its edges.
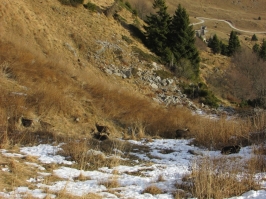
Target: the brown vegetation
(218, 178)
(152, 189)
(49, 74)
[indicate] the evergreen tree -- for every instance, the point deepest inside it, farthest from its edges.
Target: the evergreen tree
(214, 44)
(233, 44)
(256, 48)
(181, 39)
(262, 51)
(224, 48)
(157, 28)
(254, 38)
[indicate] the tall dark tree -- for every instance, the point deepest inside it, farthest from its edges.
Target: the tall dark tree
(157, 28)
(233, 44)
(181, 39)
(214, 44)
(256, 48)
(224, 48)
(254, 38)
(262, 51)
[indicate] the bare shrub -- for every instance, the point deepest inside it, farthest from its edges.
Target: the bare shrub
(245, 80)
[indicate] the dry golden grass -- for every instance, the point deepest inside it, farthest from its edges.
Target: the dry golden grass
(217, 133)
(81, 177)
(110, 183)
(160, 178)
(59, 93)
(57, 89)
(90, 154)
(243, 15)
(152, 189)
(17, 173)
(64, 195)
(257, 162)
(219, 178)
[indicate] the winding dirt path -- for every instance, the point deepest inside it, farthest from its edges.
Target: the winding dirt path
(202, 20)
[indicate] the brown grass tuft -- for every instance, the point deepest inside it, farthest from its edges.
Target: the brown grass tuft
(111, 182)
(152, 189)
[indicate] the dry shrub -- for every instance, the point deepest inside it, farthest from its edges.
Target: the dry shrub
(219, 178)
(152, 189)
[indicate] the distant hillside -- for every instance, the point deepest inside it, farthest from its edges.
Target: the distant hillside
(66, 68)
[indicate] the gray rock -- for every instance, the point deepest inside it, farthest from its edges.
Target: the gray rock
(154, 86)
(195, 152)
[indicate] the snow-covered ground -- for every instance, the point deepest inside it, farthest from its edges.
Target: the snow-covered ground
(169, 160)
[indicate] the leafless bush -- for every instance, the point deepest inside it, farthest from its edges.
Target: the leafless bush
(245, 79)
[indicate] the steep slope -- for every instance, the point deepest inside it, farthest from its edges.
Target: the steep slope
(54, 64)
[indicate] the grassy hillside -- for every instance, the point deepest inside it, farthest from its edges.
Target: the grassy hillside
(53, 70)
(52, 75)
(56, 85)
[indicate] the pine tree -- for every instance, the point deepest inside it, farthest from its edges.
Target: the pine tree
(256, 48)
(233, 44)
(181, 39)
(262, 51)
(254, 38)
(214, 44)
(157, 28)
(224, 48)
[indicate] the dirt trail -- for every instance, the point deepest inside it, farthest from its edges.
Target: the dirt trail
(202, 20)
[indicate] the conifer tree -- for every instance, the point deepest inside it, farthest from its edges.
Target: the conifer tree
(157, 28)
(256, 48)
(214, 44)
(262, 51)
(254, 38)
(224, 48)
(181, 39)
(233, 44)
